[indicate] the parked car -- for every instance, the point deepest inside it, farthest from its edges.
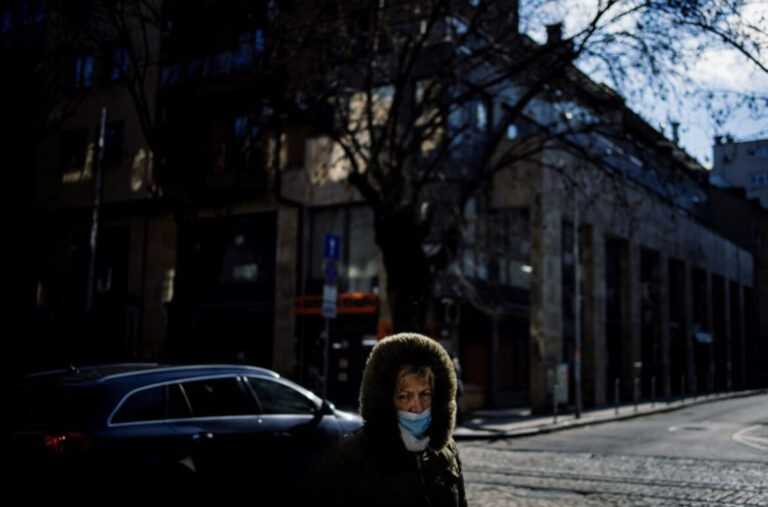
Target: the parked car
(223, 420)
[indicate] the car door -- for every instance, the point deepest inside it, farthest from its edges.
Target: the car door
(299, 429)
(224, 427)
(139, 435)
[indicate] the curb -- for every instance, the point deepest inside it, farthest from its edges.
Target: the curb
(579, 423)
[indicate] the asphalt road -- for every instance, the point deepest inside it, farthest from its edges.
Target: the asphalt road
(711, 454)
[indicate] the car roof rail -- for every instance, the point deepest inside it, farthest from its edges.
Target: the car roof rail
(75, 369)
(169, 368)
(43, 373)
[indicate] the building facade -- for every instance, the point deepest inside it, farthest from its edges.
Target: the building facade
(211, 226)
(742, 165)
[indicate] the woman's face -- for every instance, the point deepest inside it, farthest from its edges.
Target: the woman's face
(413, 393)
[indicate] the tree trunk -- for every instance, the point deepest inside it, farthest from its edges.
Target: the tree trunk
(409, 278)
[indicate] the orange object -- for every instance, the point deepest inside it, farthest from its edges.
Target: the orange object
(348, 303)
(385, 328)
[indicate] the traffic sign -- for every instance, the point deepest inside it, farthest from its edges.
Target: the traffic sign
(332, 246)
(331, 272)
(330, 294)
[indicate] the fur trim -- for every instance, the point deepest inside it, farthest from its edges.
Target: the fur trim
(377, 392)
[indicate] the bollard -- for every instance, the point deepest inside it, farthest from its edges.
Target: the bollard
(682, 389)
(616, 396)
(636, 393)
(653, 392)
(695, 388)
(554, 406)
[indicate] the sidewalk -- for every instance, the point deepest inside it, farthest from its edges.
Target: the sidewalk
(514, 423)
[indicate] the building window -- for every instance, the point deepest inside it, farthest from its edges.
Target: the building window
(113, 143)
(241, 127)
(363, 252)
(760, 179)
(74, 146)
(84, 71)
(251, 45)
(119, 64)
(246, 149)
(358, 263)
(460, 121)
(481, 115)
(456, 26)
(38, 12)
(32, 11)
(171, 75)
(6, 20)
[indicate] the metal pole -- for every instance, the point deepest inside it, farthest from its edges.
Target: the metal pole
(636, 391)
(577, 310)
(326, 347)
(682, 389)
(304, 261)
(98, 189)
(653, 391)
(695, 387)
(554, 401)
(616, 395)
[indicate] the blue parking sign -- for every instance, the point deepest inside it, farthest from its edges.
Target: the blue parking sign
(331, 272)
(332, 246)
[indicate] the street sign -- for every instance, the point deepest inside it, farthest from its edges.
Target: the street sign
(331, 272)
(328, 309)
(332, 247)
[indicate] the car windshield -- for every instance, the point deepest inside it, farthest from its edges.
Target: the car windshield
(57, 405)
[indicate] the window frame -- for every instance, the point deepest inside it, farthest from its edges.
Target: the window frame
(243, 388)
(192, 418)
(111, 422)
(84, 71)
(313, 403)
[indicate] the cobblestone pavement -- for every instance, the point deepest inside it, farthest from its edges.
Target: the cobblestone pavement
(496, 475)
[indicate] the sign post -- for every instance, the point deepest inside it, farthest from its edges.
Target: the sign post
(330, 296)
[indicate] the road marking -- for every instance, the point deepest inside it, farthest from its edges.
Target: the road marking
(759, 443)
(688, 428)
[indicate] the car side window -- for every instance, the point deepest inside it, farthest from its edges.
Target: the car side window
(219, 397)
(144, 405)
(178, 408)
(277, 398)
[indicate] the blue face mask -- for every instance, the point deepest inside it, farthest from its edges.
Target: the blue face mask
(415, 424)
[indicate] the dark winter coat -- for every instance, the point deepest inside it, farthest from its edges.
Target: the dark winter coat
(373, 467)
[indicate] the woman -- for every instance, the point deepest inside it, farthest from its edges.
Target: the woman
(405, 454)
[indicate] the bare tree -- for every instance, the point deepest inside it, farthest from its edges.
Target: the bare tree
(425, 102)
(424, 95)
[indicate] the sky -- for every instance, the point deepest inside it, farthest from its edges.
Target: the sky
(725, 70)
(716, 68)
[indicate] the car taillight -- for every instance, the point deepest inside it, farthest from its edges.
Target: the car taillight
(70, 442)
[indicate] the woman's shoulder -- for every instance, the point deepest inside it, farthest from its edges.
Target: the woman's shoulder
(449, 455)
(449, 447)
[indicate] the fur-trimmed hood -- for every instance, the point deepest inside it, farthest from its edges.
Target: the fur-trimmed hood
(379, 382)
